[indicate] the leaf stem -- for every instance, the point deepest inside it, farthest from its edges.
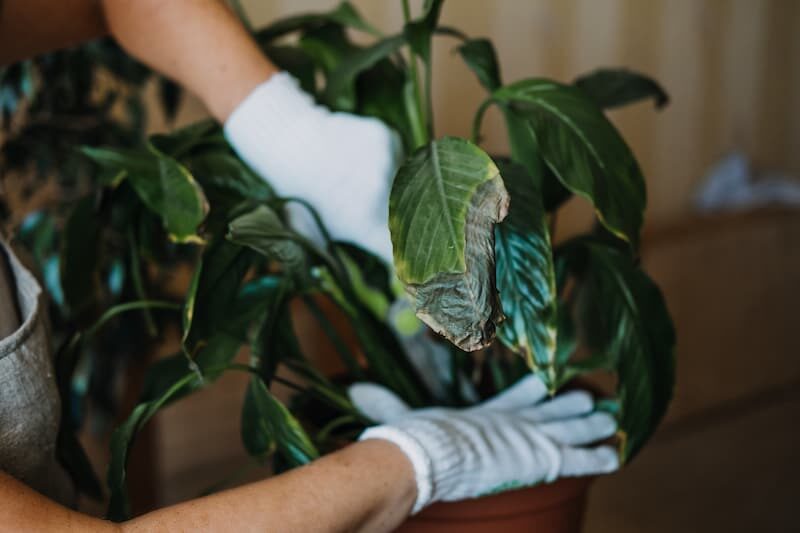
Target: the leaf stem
(130, 306)
(416, 112)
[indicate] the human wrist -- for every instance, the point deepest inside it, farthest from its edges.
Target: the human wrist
(394, 465)
(431, 451)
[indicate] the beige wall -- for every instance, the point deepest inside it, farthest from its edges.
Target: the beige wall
(732, 68)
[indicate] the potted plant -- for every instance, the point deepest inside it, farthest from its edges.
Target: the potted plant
(473, 253)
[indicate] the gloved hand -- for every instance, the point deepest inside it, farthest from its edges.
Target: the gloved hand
(513, 440)
(341, 164)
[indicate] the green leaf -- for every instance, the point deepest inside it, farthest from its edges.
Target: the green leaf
(340, 81)
(639, 336)
(344, 14)
(327, 45)
(610, 88)
(222, 169)
(181, 142)
(163, 184)
(121, 441)
(267, 425)
(262, 230)
(380, 93)
(80, 260)
(444, 203)
(584, 150)
(419, 32)
(525, 276)
(296, 62)
(525, 151)
(480, 57)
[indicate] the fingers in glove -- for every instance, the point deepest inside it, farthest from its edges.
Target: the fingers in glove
(579, 431)
(567, 405)
(588, 461)
(377, 403)
(526, 392)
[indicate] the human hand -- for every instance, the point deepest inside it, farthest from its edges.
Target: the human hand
(513, 440)
(341, 164)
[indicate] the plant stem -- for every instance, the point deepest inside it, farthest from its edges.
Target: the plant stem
(129, 306)
(138, 283)
(416, 113)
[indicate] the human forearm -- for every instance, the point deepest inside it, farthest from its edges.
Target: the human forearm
(367, 487)
(199, 43)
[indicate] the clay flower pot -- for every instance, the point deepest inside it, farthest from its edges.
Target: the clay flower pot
(553, 508)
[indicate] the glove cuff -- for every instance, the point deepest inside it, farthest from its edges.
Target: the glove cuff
(436, 461)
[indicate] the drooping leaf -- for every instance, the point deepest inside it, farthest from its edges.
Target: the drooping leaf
(262, 230)
(165, 186)
(80, 260)
(610, 88)
(480, 57)
(267, 425)
(583, 149)
(341, 80)
(525, 275)
(444, 203)
(222, 169)
(639, 338)
(121, 441)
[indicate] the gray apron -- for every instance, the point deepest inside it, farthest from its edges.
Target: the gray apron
(29, 401)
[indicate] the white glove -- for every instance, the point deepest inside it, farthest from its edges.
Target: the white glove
(341, 164)
(513, 440)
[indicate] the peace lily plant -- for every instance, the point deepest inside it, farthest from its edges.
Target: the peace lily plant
(472, 244)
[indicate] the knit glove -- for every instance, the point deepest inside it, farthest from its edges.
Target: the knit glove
(341, 164)
(513, 440)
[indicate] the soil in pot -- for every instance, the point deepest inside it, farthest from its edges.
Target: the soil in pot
(552, 508)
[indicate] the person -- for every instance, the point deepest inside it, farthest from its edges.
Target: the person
(412, 458)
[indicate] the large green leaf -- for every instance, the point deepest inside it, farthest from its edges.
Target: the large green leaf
(267, 425)
(584, 150)
(480, 57)
(296, 62)
(444, 203)
(638, 337)
(610, 88)
(380, 93)
(525, 275)
(525, 151)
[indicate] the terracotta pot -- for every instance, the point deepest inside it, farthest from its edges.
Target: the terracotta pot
(554, 508)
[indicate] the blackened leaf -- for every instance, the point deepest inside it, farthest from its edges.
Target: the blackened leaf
(267, 425)
(480, 57)
(525, 276)
(584, 150)
(444, 203)
(610, 88)
(639, 337)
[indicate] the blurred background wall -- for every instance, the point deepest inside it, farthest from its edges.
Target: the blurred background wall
(725, 460)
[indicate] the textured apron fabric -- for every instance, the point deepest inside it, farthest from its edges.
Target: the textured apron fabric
(29, 402)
